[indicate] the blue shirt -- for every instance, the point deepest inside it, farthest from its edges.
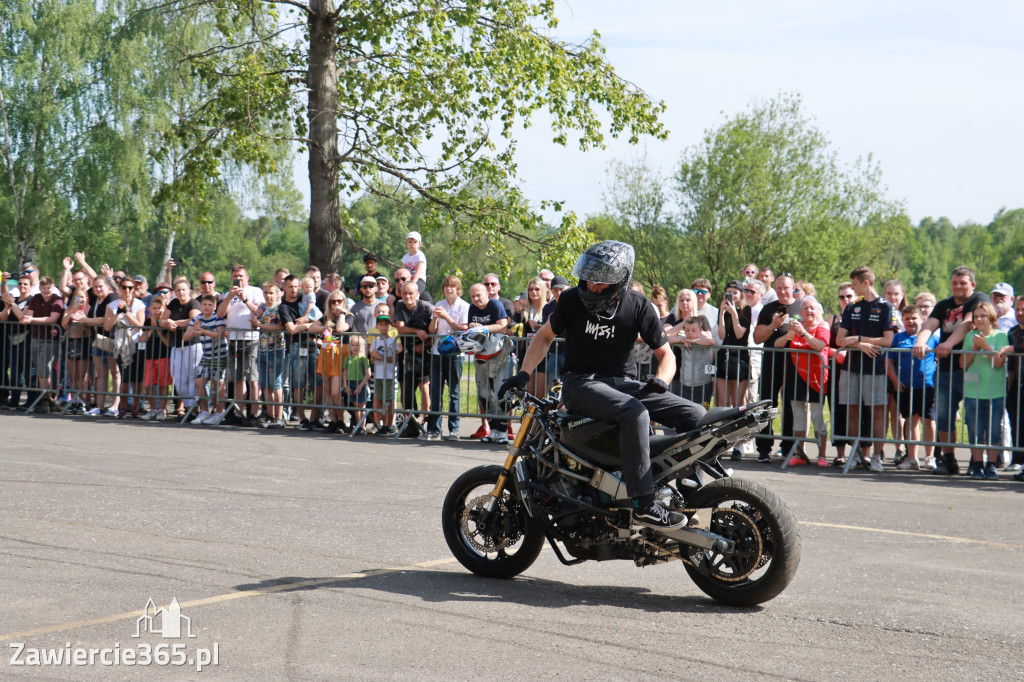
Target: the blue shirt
(914, 373)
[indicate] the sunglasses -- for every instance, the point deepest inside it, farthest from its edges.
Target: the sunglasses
(207, 281)
(26, 272)
(336, 302)
(118, 277)
(750, 291)
(127, 288)
(786, 274)
(490, 284)
(367, 286)
(701, 292)
(163, 291)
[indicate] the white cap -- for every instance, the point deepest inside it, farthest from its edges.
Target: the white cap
(1003, 288)
(414, 235)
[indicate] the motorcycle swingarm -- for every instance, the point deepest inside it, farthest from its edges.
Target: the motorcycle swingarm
(698, 534)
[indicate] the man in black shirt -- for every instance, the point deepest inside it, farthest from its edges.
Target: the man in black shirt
(600, 320)
(954, 317)
(302, 348)
(772, 324)
(412, 317)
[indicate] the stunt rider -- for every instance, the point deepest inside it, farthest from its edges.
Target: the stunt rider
(600, 320)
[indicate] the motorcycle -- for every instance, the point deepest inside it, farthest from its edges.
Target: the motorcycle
(561, 484)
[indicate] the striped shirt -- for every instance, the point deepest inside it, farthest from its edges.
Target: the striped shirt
(215, 350)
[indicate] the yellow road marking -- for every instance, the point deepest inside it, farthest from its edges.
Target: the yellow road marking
(11, 636)
(929, 536)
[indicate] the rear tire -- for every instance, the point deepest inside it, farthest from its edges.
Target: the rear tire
(503, 547)
(767, 539)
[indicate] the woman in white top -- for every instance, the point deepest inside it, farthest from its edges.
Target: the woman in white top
(128, 315)
(529, 312)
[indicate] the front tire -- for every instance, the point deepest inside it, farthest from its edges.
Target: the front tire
(504, 545)
(766, 538)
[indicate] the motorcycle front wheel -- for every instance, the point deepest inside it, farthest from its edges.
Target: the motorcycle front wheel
(499, 544)
(765, 537)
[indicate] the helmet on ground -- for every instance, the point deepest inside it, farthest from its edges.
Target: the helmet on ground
(608, 262)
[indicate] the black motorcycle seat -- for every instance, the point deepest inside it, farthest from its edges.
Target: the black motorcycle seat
(719, 414)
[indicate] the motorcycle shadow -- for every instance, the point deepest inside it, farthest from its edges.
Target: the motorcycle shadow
(451, 586)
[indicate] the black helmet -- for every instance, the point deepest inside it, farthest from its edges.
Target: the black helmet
(607, 262)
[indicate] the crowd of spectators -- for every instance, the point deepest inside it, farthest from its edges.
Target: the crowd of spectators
(301, 347)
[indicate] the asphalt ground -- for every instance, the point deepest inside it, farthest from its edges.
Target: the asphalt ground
(298, 556)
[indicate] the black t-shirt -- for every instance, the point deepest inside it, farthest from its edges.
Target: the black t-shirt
(765, 318)
(1014, 363)
(287, 312)
(950, 314)
(730, 334)
(417, 318)
(604, 346)
(867, 318)
(182, 311)
(489, 314)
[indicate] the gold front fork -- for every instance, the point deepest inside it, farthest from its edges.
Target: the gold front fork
(513, 452)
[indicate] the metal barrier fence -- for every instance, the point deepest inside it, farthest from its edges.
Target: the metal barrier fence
(157, 373)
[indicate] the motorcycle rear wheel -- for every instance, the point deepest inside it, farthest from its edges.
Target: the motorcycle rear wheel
(503, 547)
(767, 539)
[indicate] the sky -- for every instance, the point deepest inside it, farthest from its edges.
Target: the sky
(932, 90)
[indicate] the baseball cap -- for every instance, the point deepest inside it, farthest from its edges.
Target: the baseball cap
(414, 235)
(1003, 288)
(140, 278)
(384, 318)
(734, 284)
(383, 277)
(368, 279)
(162, 285)
(559, 282)
(370, 256)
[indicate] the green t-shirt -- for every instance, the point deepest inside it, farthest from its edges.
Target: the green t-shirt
(981, 380)
(356, 367)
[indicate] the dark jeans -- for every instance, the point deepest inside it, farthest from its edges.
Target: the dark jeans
(775, 372)
(624, 401)
(444, 369)
(19, 361)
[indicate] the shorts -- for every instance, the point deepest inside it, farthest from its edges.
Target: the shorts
(732, 366)
(984, 419)
(919, 402)
(359, 397)
(867, 389)
(949, 391)
(158, 372)
(97, 353)
(302, 367)
(44, 355)
(210, 372)
(328, 364)
(384, 390)
(133, 372)
(271, 369)
(241, 361)
(78, 349)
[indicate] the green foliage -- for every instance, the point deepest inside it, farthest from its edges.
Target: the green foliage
(765, 187)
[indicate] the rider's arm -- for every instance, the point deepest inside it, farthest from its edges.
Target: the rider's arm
(666, 360)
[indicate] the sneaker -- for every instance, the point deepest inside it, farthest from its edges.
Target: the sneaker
(839, 461)
(423, 436)
(876, 464)
(656, 516)
(43, 407)
(333, 427)
(929, 463)
(990, 471)
(149, 415)
(482, 432)
(201, 419)
(215, 419)
(764, 459)
(948, 466)
(387, 431)
(454, 435)
(1014, 467)
(971, 467)
(277, 424)
(823, 462)
(251, 421)
(121, 414)
(909, 465)
(901, 456)
(160, 416)
(304, 425)
(1019, 476)
(500, 439)
(978, 472)
(737, 455)
(109, 412)
(318, 426)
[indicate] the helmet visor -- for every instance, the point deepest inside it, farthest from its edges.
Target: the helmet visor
(590, 268)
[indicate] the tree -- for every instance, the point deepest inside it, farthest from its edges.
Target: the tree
(422, 92)
(765, 187)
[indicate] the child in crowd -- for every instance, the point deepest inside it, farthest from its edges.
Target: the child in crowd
(209, 326)
(307, 302)
(383, 349)
(984, 389)
(356, 378)
(270, 360)
(697, 371)
(157, 342)
(913, 381)
(415, 260)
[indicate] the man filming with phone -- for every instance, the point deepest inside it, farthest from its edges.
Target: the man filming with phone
(239, 306)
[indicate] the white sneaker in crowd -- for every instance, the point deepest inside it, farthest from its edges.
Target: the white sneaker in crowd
(94, 412)
(201, 417)
(929, 463)
(876, 464)
(110, 412)
(215, 419)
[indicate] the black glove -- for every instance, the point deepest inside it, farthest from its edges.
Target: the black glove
(655, 385)
(518, 381)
